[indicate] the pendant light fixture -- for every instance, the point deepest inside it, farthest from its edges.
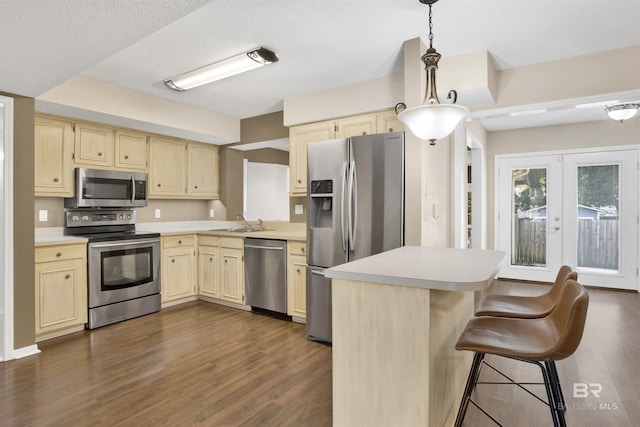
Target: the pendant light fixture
(229, 67)
(432, 120)
(622, 112)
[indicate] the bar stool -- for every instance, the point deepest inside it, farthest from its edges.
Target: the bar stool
(537, 341)
(527, 307)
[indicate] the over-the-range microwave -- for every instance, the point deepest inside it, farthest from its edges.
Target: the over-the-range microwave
(97, 188)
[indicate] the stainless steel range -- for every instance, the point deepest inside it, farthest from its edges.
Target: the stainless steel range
(123, 265)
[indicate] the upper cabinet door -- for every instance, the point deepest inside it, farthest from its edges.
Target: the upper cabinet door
(203, 171)
(388, 122)
(53, 157)
(132, 150)
(299, 138)
(168, 170)
(356, 126)
(94, 145)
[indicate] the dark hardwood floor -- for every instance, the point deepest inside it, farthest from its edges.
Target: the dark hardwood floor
(208, 365)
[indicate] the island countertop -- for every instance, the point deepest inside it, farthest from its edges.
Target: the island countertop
(423, 267)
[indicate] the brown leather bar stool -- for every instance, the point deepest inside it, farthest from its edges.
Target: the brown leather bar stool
(527, 307)
(537, 341)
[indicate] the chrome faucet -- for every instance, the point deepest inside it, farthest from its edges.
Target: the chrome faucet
(244, 221)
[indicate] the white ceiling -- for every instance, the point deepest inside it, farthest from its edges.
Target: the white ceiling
(321, 44)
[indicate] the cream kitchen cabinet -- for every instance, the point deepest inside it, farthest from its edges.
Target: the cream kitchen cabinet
(209, 266)
(94, 146)
(301, 136)
(61, 289)
(179, 169)
(53, 157)
(355, 126)
(168, 168)
(132, 150)
(232, 269)
(388, 122)
(297, 281)
(202, 179)
(178, 267)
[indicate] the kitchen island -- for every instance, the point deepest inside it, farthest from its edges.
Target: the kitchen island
(396, 318)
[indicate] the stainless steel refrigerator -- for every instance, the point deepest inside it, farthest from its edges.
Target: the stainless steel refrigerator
(356, 209)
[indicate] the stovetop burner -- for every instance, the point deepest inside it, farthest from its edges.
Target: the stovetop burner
(100, 225)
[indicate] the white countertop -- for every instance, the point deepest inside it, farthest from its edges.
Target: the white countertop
(432, 268)
(47, 236)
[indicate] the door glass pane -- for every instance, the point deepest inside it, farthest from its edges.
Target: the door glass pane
(598, 221)
(529, 217)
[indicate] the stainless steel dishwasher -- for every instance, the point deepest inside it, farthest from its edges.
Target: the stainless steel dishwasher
(265, 274)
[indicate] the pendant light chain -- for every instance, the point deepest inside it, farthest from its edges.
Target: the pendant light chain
(430, 28)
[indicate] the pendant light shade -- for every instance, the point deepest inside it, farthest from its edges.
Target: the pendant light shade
(432, 120)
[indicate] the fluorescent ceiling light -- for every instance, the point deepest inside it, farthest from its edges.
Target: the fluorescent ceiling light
(223, 69)
(528, 112)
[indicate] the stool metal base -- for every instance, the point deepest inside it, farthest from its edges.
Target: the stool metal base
(555, 397)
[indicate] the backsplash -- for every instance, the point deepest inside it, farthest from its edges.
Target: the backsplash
(170, 210)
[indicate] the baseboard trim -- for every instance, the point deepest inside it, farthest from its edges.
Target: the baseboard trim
(25, 351)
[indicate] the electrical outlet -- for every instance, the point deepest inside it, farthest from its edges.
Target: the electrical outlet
(211, 213)
(157, 213)
(298, 209)
(43, 215)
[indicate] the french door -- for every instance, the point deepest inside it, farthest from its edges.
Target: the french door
(579, 209)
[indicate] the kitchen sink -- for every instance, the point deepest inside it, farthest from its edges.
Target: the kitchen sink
(242, 230)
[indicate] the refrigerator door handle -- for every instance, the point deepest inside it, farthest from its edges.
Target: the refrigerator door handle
(343, 235)
(354, 201)
(350, 213)
(317, 272)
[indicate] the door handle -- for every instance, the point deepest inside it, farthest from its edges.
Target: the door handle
(317, 273)
(342, 201)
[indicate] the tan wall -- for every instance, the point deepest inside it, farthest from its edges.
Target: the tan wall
(603, 133)
(263, 128)
(23, 244)
(254, 129)
(267, 155)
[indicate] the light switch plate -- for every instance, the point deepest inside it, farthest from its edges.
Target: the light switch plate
(157, 213)
(298, 209)
(43, 215)
(211, 213)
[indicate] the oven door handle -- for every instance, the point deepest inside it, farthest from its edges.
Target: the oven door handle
(133, 189)
(123, 243)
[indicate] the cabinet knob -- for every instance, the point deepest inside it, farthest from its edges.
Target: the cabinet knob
(59, 254)
(302, 250)
(179, 242)
(126, 157)
(55, 180)
(195, 186)
(298, 270)
(99, 154)
(68, 276)
(173, 260)
(299, 182)
(225, 261)
(210, 259)
(390, 129)
(158, 185)
(364, 133)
